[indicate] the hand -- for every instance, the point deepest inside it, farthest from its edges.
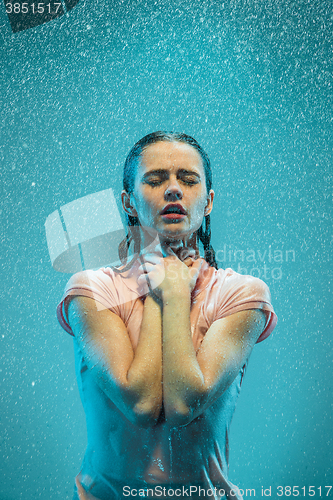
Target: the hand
(177, 248)
(168, 274)
(151, 273)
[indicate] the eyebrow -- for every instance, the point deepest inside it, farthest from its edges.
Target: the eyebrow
(165, 173)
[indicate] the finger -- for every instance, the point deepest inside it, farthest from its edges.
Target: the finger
(146, 267)
(152, 258)
(144, 281)
(188, 261)
(142, 278)
(197, 263)
(171, 258)
(184, 253)
(191, 252)
(196, 266)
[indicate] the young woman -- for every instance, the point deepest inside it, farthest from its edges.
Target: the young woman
(162, 344)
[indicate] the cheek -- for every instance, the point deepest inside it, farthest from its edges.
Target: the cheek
(200, 204)
(145, 210)
(198, 211)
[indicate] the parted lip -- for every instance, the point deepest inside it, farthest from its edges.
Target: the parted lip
(173, 208)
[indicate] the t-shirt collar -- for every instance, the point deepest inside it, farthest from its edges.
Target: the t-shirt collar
(205, 275)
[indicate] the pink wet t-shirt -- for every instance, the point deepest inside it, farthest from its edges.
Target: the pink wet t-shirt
(118, 453)
(217, 294)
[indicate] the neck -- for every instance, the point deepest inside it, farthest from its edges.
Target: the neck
(183, 247)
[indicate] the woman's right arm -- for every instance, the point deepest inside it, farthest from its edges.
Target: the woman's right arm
(131, 379)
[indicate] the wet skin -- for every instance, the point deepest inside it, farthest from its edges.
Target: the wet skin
(170, 173)
(132, 370)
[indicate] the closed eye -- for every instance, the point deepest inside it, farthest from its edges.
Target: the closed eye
(190, 180)
(156, 178)
(158, 182)
(154, 182)
(188, 177)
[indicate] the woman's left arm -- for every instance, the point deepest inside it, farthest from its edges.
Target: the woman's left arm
(192, 382)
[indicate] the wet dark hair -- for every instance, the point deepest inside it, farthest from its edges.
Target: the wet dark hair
(203, 234)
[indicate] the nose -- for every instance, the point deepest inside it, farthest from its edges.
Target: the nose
(173, 191)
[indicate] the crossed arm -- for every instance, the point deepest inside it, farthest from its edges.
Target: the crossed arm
(189, 382)
(192, 382)
(131, 379)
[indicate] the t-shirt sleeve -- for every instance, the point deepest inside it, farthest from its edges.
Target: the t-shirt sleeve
(240, 293)
(93, 284)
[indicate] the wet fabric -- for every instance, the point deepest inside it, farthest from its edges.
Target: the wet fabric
(120, 455)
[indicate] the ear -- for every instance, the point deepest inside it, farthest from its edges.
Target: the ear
(209, 204)
(127, 204)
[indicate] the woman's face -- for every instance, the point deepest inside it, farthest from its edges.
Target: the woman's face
(170, 194)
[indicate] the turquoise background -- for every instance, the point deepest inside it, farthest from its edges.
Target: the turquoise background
(252, 82)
